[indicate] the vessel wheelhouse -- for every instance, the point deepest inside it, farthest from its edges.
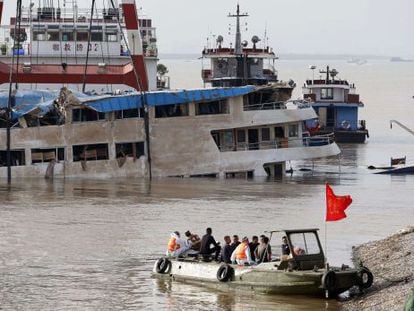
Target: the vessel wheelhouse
(337, 105)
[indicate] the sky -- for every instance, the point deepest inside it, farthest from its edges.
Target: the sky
(374, 27)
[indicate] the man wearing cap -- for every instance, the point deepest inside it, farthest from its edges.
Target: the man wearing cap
(241, 254)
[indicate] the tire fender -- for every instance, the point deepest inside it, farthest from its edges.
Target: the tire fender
(366, 278)
(162, 265)
(329, 281)
(224, 273)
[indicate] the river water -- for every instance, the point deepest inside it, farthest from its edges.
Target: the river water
(91, 244)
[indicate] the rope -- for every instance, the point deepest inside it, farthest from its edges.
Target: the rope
(87, 51)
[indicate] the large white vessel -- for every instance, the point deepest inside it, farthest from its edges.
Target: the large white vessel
(222, 131)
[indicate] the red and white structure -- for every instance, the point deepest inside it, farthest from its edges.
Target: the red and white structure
(53, 44)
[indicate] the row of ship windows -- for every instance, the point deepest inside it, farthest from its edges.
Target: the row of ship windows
(167, 111)
(75, 36)
(91, 152)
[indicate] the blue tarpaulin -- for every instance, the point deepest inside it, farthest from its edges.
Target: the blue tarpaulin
(42, 101)
(134, 100)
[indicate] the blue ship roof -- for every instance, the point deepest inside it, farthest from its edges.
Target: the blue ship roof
(41, 102)
(135, 100)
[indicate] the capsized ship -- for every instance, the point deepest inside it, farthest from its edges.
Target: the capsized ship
(303, 273)
(337, 105)
(223, 131)
(205, 132)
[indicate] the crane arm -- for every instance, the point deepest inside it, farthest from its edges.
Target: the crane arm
(402, 126)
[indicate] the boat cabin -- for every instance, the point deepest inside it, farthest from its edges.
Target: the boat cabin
(305, 248)
(335, 101)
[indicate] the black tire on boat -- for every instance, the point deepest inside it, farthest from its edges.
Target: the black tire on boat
(224, 273)
(163, 265)
(365, 278)
(329, 282)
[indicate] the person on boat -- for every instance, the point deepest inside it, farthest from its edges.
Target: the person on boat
(235, 243)
(253, 245)
(241, 255)
(263, 252)
(298, 251)
(209, 246)
(285, 249)
(176, 246)
(194, 239)
(226, 251)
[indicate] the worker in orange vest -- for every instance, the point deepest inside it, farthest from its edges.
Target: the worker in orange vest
(176, 246)
(241, 254)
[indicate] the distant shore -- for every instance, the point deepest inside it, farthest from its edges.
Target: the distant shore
(289, 56)
(391, 260)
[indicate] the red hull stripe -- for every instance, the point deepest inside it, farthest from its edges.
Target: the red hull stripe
(130, 14)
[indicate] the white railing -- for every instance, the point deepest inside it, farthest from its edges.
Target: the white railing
(313, 141)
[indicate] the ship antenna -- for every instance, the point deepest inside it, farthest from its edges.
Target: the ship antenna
(237, 45)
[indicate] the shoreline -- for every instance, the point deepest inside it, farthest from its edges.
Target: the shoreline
(391, 260)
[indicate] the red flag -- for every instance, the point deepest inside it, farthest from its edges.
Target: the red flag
(336, 205)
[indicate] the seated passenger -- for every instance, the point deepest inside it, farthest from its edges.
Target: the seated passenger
(194, 239)
(298, 251)
(207, 242)
(263, 251)
(253, 245)
(235, 242)
(176, 246)
(241, 254)
(226, 251)
(285, 249)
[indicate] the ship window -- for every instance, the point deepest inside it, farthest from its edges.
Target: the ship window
(97, 36)
(129, 113)
(327, 93)
(111, 37)
(90, 152)
(265, 134)
(241, 136)
(53, 36)
(47, 155)
(279, 132)
(214, 107)
(82, 36)
(17, 158)
(86, 115)
(167, 111)
(304, 243)
(39, 36)
(293, 130)
(134, 150)
(68, 36)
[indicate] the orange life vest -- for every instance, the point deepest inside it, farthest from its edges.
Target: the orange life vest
(173, 245)
(241, 252)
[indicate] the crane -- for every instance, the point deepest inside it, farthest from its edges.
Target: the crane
(402, 126)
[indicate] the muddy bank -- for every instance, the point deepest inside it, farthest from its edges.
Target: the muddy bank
(392, 262)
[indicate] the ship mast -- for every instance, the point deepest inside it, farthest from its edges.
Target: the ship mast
(237, 45)
(238, 50)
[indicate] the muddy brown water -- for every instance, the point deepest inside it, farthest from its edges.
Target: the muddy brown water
(91, 244)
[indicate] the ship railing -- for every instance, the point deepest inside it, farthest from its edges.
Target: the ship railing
(265, 106)
(312, 141)
(362, 125)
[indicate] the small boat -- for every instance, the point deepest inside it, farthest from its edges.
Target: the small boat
(337, 105)
(305, 272)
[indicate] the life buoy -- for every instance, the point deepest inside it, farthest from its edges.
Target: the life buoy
(224, 273)
(162, 265)
(329, 281)
(365, 278)
(313, 130)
